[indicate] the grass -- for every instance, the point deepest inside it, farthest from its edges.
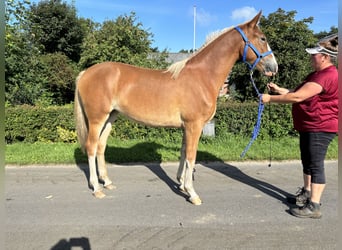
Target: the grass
(228, 148)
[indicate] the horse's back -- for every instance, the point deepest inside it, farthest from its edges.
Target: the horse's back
(149, 96)
(142, 94)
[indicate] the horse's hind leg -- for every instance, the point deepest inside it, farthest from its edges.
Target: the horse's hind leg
(91, 146)
(101, 162)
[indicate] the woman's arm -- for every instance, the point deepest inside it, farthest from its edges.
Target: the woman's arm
(308, 90)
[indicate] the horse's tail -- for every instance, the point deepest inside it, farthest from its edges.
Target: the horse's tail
(80, 117)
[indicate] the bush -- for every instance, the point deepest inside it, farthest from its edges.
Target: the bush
(31, 124)
(240, 119)
(56, 123)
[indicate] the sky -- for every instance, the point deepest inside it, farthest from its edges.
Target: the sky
(174, 27)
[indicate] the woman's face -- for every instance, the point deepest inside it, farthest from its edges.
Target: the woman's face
(317, 60)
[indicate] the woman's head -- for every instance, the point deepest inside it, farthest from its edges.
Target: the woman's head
(325, 52)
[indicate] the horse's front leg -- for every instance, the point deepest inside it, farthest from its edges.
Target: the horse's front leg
(101, 162)
(188, 186)
(192, 134)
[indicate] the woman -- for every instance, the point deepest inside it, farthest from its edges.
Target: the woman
(315, 117)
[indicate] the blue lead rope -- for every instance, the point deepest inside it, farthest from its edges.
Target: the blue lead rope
(259, 56)
(258, 123)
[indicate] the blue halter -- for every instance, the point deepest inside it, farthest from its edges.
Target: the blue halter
(248, 44)
(251, 67)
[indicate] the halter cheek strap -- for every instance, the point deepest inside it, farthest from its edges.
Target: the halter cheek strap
(248, 44)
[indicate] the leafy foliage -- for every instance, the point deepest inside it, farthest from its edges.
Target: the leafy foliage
(32, 76)
(56, 28)
(240, 118)
(24, 83)
(32, 124)
(123, 40)
(61, 73)
(56, 124)
(21, 64)
(289, 38)
(320, 35)
(44, 43)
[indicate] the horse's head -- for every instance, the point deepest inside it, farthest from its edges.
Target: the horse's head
(255, 50)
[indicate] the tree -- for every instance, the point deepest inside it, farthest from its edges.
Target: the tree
(60, 73)
(320, 35)
(21, 57)
(34, 76)
(40, 54)
(288, 39)
(123, 40)
(56, 28)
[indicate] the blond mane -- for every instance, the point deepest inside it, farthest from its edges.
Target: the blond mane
(177, 67)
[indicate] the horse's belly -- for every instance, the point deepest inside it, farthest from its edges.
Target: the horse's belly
(153, 118)
(157, 121)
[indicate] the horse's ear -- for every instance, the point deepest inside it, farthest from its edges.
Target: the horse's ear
(255, 20)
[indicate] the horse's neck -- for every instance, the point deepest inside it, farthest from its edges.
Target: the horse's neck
(219, 58)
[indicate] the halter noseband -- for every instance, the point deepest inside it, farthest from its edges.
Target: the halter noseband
(248, 44)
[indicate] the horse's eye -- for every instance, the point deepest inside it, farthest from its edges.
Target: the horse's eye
(263, 39)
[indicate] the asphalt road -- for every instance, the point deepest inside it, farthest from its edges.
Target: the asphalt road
(244, 207)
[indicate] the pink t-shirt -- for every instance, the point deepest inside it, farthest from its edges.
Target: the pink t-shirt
(320, 112)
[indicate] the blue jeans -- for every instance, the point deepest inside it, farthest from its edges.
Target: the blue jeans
(313, 149)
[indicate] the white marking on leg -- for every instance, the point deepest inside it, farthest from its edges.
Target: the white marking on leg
(103, 174)
(181, 168)
(93, 179)
(194, 198)
(181, 175)
(101, 162)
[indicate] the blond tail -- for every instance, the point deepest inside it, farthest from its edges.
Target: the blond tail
(80, 118)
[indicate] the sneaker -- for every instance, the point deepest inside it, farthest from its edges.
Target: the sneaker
(309, 210)
(301, 198)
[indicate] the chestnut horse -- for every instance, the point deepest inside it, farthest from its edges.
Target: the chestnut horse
(182, 96)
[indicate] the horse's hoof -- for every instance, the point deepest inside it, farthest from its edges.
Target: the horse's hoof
(196, 201)
(99, 194)
(110, 186)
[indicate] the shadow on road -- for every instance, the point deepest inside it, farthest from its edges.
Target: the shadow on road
(82, 243)
(114, 154)
(148, 149)
(235, 173)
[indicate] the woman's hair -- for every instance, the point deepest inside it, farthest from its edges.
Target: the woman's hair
(330, 43)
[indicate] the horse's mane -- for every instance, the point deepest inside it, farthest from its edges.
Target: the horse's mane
(177, 67)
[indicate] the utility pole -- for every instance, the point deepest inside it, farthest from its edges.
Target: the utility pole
(194, 42)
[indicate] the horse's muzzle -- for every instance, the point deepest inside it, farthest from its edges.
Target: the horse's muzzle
(271, 67)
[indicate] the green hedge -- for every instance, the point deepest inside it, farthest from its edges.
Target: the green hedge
(56, 123)
(30, 124)
(240, 118)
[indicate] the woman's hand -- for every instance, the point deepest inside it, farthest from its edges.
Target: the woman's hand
(265, 98)
(274, 88)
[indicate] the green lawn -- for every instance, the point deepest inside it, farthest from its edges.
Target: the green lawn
(124, 151)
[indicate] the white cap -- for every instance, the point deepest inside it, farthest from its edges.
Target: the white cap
(322, 50)
(327, 45)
